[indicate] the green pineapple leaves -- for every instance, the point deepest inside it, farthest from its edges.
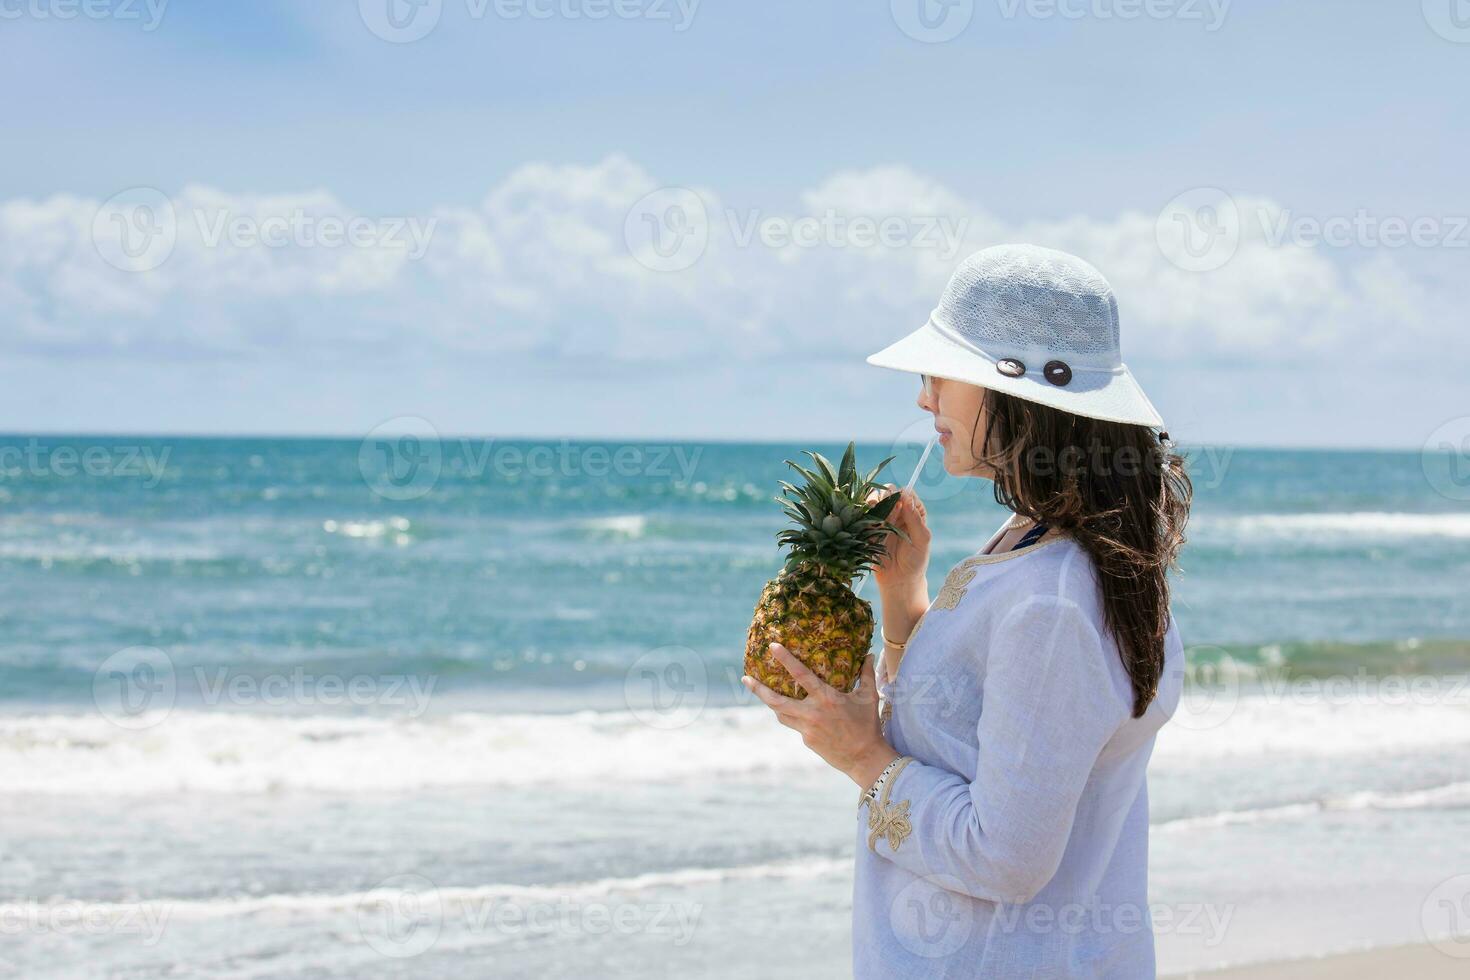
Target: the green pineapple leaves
(833, 527)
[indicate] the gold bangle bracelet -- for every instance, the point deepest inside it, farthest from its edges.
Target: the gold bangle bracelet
(892, 643)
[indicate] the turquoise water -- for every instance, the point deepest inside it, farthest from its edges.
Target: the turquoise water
(499, 572)
(280, 683)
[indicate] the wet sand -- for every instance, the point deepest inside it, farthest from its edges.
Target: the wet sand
(1423, 962)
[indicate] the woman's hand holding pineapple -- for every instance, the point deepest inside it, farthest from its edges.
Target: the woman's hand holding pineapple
(843, 524)
(841, 728)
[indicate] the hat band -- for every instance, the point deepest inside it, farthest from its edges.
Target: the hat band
(955, 337)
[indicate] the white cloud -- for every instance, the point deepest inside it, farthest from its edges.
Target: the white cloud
(543, 264)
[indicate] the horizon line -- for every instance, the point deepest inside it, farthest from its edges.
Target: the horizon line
(715, 440)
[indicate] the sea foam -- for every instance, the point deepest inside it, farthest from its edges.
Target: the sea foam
(240, 752)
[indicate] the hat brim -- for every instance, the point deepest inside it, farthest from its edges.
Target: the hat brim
(1112, 395)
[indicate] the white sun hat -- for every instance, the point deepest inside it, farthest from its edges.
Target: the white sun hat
(1032, 322)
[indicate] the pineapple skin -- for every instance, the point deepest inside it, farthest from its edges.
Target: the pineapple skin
(819, 620)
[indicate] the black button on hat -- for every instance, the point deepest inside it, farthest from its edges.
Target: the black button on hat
(1010, 367)
(1057, 372)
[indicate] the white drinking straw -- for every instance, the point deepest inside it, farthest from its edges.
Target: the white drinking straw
(923, 458)
(914, 478)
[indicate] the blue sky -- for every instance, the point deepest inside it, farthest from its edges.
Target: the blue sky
(521, 145)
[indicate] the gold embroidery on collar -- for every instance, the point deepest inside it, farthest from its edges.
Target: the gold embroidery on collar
(959, 578)
(955, 583)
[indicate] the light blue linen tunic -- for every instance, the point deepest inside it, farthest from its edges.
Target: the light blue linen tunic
(1015, 843)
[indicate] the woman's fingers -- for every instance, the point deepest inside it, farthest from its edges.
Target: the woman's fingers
(913, 506)
(787, 710)
(915, 521)
(778, 703)
(800, 672)
(878, 495)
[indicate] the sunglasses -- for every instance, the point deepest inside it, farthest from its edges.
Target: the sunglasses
(928, 383)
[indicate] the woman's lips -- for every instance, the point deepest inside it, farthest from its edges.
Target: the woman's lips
(943, 435)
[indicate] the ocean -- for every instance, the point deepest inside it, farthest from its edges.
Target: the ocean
(405, 707)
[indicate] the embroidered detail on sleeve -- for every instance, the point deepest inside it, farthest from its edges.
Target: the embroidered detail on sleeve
(889, 821)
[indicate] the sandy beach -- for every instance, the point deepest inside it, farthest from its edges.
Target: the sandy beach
(1421, 962)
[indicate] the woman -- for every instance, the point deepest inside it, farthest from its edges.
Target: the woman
(1003, 823)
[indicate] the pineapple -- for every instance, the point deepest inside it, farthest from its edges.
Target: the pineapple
(809, 608)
